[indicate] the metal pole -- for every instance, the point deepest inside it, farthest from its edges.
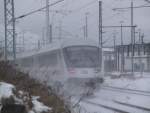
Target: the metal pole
(139, 36)
(132, 40)
(5, 14)
(121, 34)
(86, 25)
(115, 51)
(142, 38)
(51, 33)
(10, 41)
(23, 41)
(84, 32)
(122, 56)
(100, 23)
(140, 60)
(101, 36)
(60, 30)
(14, 34)
(43, 36)
(47, 22)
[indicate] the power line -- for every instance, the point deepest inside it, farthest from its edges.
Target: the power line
(84, 6)
(38, 10)
(118, 26)
(141, 6)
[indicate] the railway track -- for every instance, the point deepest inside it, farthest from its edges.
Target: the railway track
(107, 107)
(118, 107)
(125, 90)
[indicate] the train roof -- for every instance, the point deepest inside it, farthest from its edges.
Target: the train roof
(47, 48)
(79, 41)
(58, 45)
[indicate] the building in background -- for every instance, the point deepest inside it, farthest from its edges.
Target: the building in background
(109, 62)
(141, 57)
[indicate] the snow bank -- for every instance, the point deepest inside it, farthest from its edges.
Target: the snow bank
(39, 107)
(6, 90)
(137, 84)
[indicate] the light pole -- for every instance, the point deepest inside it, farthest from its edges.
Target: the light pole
(122, 49)
(86, 24)
(48, 36)
(101, 37)
(132, 39)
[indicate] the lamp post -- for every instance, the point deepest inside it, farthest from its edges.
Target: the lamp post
(122, 52)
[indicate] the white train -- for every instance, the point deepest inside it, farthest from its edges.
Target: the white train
(68, 61)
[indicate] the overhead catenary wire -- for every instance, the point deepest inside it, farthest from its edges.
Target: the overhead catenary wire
(69, 33)
(141, 6)
(38, 10)
(84, 6)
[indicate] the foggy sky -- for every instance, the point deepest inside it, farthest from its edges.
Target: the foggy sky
(72, 23)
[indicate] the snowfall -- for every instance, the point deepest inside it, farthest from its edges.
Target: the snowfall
(102, 101)
(7, 90)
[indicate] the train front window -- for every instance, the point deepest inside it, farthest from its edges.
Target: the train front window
(82, 56)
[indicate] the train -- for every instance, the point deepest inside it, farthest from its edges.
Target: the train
(69, 61)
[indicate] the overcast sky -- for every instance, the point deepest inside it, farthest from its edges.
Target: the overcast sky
(72, 23)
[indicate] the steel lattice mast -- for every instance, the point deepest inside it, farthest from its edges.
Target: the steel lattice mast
(10, 46)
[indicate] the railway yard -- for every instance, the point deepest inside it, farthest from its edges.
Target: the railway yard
(74, 56)
(130, 97)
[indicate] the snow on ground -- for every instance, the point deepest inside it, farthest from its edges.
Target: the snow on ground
(129, 102)
(114, 106)
(93, 108)
(109, 98)
(38, 106)
(6, 90)
(85, 107)
(140, 101)
(139, 83)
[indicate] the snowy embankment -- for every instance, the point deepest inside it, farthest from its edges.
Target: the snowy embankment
(119, 94)
(8, 92)
(137, 82)
(17, 87)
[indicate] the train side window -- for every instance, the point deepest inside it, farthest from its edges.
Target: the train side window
(27, 62)
(53, 61)
(48, 59)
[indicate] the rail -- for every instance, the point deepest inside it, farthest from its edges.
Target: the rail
(128, 91)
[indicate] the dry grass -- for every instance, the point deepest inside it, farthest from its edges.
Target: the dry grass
(25, 83)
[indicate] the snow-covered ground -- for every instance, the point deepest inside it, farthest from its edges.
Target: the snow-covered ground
(7, 90)
(139, 82)
(103, 100)
(115, 101)
(38, 106)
